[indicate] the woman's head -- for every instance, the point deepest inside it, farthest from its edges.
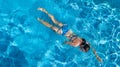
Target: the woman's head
(85, 46)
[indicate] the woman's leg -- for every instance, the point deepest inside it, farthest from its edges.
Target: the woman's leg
(51, 16)
(48, 25)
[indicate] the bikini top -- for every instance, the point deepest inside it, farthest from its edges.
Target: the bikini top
(73, 37)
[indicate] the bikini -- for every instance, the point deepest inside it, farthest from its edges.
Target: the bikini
(73, 37)
(64, 28)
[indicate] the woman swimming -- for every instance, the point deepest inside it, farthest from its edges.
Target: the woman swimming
(62, 29)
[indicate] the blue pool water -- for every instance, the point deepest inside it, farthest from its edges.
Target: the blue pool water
(24, 42)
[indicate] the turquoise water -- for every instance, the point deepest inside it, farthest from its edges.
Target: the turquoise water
(24, 42)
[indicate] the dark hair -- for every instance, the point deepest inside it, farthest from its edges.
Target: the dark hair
(86, 47)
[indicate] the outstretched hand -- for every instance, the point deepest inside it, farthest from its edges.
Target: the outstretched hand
(96, 55)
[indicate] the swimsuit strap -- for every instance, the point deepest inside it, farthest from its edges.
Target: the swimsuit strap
(73, 37)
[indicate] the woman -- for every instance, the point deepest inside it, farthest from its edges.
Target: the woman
(62, 29)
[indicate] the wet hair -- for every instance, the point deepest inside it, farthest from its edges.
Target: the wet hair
(85, 45)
